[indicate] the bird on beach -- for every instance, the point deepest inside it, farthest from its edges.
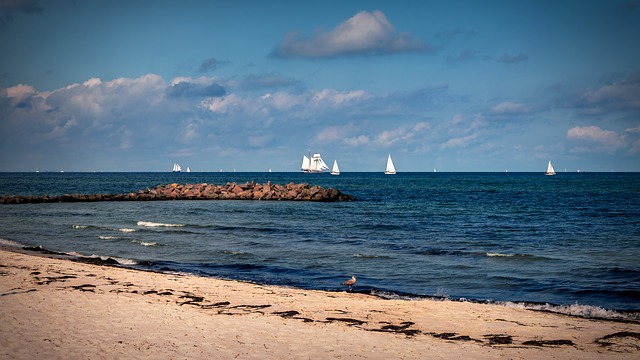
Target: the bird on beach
(350, 282)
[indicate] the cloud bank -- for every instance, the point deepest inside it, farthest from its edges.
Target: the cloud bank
(152, 122)
(366, 33)
(598, 140)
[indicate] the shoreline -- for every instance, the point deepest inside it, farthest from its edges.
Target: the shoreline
(57, 308)
(578, 310)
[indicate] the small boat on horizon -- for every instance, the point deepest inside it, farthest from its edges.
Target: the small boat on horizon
(176, 167)
(336, 169)
(550, 170)
(390, 170)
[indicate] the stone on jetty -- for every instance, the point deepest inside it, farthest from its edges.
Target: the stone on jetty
(230, 191)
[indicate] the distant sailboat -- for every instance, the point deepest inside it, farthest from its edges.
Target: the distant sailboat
(313, 165)
(176, 167)
(550, 170)
(188, 170)
(390, 170)
(336, 169)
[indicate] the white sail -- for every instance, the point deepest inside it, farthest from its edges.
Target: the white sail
(176, 167)
(305, 163)
(335, 170)
(315, 164)
(390, 170)
(550, 170)
(188, 170)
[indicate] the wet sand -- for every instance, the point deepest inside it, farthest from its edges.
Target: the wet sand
(60, 309)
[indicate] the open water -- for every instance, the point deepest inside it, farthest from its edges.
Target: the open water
(569, 242)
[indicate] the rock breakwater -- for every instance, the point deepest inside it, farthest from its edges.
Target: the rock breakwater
(230, 191)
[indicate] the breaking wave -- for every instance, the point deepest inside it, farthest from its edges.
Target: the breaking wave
(155, 224)
(585, 311)
(145, 243)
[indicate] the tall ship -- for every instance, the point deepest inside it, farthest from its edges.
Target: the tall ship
(313, 164)
(176, 167)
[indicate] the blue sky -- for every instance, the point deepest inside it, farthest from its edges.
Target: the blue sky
(254, 85)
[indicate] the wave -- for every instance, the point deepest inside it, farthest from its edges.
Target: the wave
(108, 237)
(500, 255)
(368, 256)
(577, 310)
(11, 243)
(126, 230)
(585, 311)
(121, 261)
(516, 256)
(155, 224)
(145, 243)
(237, 253)
(75, 226)
(437, 252)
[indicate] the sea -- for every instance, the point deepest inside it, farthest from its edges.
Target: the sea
(568, 243)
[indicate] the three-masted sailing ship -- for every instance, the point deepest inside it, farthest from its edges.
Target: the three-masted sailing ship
(313, 164)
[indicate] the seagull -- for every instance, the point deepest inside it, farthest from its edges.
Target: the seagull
(350, 283)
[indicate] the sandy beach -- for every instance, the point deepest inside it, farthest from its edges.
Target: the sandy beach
(60, 309)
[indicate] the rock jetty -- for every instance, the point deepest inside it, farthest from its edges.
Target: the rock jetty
(204, 191)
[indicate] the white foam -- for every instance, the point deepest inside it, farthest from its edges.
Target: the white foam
(586, 311)
(107, 237)
(9, 243)
(499, 255)
(123, 261)
(125, 230)
(146, 243)
(80, 226)
(155, 224)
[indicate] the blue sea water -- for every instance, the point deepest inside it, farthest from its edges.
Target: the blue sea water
(572, 240)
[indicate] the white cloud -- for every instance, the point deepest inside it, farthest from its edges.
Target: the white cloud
(357, 140)
(365, 33)
(462, 141)
(511, 108)
(605, 140)
(401, 134)
(421, 126)
(337, 98)
(21, 91)
(331, 134)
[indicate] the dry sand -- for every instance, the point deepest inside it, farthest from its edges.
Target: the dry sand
(53, 308)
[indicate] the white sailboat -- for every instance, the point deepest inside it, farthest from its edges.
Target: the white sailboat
(390, 170)
(550, 170)
(313, 165)
(176, 167)
(188, 170)
(336, 169)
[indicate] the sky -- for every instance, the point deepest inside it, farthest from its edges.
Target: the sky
(255, 85)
